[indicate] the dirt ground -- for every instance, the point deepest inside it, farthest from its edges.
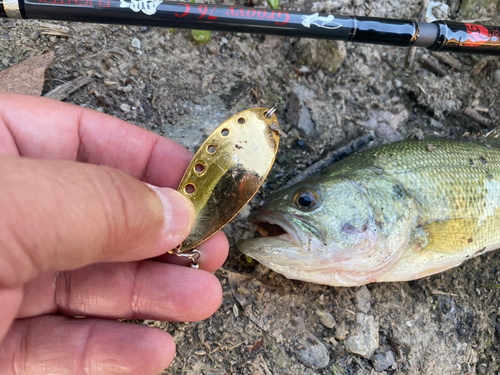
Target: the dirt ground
(164, 81)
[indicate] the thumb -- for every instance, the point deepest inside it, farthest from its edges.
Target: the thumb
(59, 215)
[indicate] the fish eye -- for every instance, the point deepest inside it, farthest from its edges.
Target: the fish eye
(305, 199)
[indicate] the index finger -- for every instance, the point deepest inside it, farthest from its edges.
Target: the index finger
(49, 129)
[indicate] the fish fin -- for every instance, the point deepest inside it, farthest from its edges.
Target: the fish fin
(451, 236)
(124, 4)
(433, 248)
(418, 239)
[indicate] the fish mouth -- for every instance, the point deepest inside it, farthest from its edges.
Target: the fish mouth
(282, 246)
(273, 224)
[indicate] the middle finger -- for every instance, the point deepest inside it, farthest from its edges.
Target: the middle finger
(133, 290)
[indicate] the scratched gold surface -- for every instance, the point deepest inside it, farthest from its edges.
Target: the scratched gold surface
(228, 170)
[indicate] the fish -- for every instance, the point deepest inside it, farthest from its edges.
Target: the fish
(396, 212)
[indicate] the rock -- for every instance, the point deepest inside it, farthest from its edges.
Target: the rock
(125, 89)
(326, 55)
(363, 299)
(125, 107)
(297, 113)
(136, 43)
(365, 341)
(387, 123)
(340, 332)
(326, 318)
(496, 76)
(314, 354)
(436, 10)
(382, 361)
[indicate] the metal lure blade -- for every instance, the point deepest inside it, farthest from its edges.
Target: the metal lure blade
(228, 170)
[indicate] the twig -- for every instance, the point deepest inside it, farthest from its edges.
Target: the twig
(469, 112)
(446, 58)
(421, 88)
(264, 365)
(433, 65)
(52, 29)
(63, 91)
(444, 293)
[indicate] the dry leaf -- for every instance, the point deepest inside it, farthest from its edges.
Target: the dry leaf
(26, 77)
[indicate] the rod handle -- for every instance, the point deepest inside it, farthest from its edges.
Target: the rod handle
(466, 37)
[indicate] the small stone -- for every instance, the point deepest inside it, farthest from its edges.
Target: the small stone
(397, 83)
(298, 114)
(125, 107)
(340, 332)
(496, 76)
(125, 89)
(327, 55)
(365, 341)
(136, 43)
(326, 318)
(382, 361)
(363, 299)
(314, 354)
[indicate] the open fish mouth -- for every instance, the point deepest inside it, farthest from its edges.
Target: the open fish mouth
(272, 224)
(280, 245)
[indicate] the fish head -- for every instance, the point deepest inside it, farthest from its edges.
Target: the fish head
(323, 231)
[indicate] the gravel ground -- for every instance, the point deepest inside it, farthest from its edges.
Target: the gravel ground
(164, 81)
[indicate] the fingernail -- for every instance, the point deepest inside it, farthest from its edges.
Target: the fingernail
(178, 211)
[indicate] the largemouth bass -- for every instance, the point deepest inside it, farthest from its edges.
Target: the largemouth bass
(396, 212)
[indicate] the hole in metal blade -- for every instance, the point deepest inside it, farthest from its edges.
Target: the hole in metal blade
(199, 168)
(190, 189)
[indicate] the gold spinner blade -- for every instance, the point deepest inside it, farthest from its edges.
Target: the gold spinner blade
(228, 170)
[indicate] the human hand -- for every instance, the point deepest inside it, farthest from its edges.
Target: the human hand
(76, 224)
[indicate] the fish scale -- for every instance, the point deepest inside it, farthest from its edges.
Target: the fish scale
(430, 204)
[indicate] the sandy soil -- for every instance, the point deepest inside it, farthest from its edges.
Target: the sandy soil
(444, 324)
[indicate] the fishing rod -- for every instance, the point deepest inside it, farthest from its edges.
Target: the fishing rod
(439, 35)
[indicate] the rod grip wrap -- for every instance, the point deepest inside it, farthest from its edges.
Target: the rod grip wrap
(467, 37)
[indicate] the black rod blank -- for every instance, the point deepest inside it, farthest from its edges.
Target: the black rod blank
(436, 36)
